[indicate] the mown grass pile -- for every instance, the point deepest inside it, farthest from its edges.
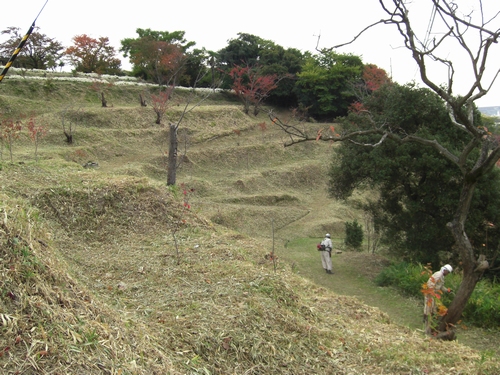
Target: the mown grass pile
(49, 322)
(221, 310)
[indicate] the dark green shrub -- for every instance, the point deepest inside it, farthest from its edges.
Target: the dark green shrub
(407, 278)
(483, 308)
(353, 234)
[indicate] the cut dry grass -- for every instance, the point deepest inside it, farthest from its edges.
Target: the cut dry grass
(221, 310)
(92, 283)
(51, 322)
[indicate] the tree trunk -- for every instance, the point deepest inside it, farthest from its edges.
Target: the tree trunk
(458, 304)
(256, 110)
(471, 274)
(246, 106)
(69, 137)
(172, 156)
(103, 100)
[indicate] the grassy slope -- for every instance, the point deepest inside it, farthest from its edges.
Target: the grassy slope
(90, 275)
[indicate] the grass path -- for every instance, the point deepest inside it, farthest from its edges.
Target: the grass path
(353, 276)
(353, 273)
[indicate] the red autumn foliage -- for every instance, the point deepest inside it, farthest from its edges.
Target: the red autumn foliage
(10, 130)
(90, 55)
(374, 77)
(36, 132)
(252, 87)
(161, 60)
(161, 102)
(356, 107)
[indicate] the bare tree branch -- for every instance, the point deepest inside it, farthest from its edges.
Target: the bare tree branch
(475, 38)
(362, 32)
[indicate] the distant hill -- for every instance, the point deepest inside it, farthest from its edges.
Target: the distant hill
(490, 111)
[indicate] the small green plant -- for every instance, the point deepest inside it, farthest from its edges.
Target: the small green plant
(33, 87)
(353, 234)
(30, 265)
(90, 338)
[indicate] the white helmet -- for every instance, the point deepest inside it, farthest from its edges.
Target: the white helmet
(448, 268)
(327, 235)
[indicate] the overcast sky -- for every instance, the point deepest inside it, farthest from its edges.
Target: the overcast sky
(212, 23)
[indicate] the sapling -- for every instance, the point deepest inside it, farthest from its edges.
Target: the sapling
(161, 102)
(36, 132)
(101, 88)
(252, 87)
(10, 131)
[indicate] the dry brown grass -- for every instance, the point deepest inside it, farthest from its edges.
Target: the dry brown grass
(91, 282)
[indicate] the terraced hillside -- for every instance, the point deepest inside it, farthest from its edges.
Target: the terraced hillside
(106, 270)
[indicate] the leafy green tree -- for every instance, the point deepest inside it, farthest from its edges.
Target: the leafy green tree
(200, 69)
(417, 189)
(353, 234)
(131, 46)
(159, 56)
(272, 59)
(325, 83)
(39, 52)
(284, 63)
(243, 51)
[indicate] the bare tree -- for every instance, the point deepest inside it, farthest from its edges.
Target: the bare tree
(193, 100)
(69, 118)
(371, 234)
(173, 163)
(101, 87)
(142, 100)
(474, 36)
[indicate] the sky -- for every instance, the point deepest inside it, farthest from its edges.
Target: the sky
(211, 24)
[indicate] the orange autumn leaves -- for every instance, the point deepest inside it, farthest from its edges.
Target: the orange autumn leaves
(321, 132)
(433, 296)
